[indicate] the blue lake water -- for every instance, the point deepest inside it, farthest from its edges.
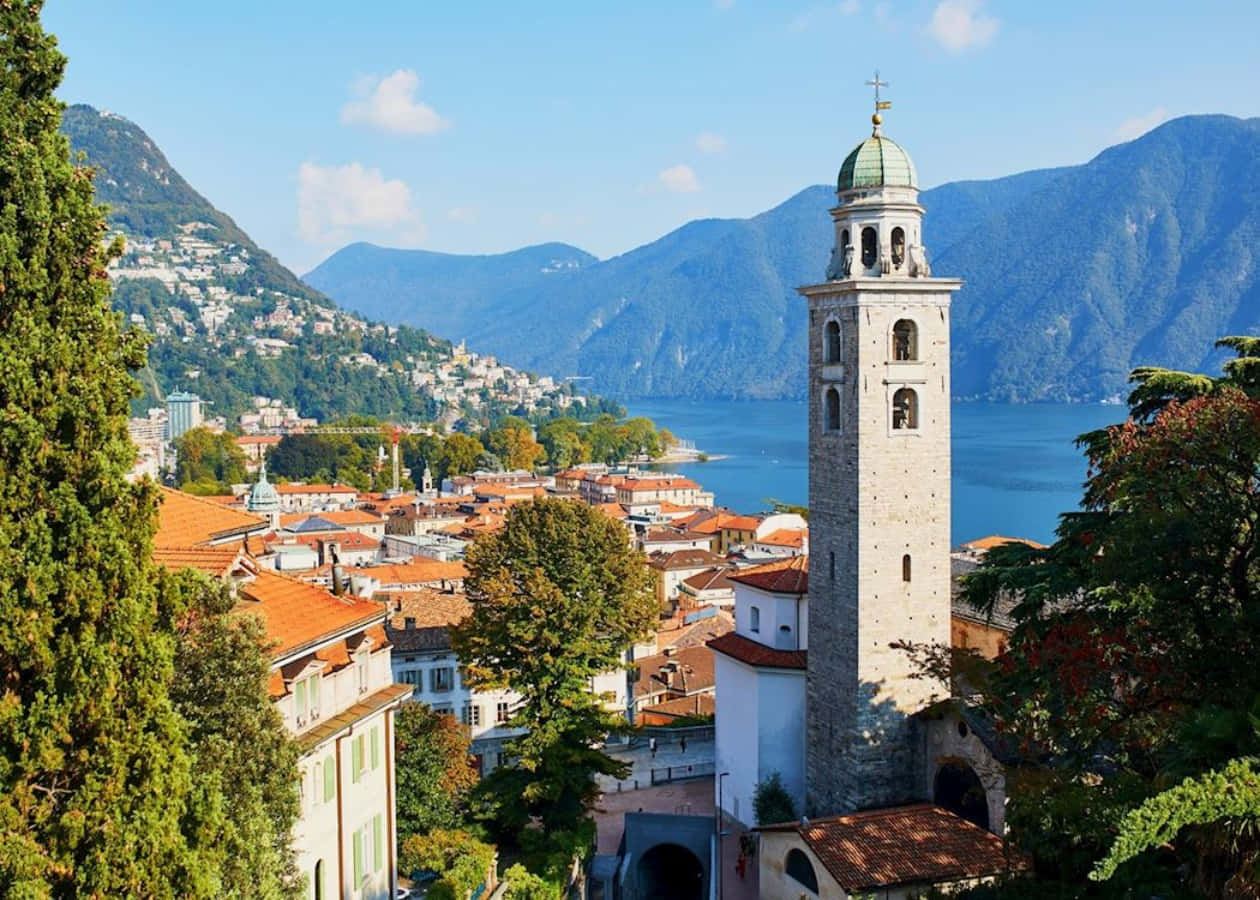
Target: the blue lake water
(1015, 466)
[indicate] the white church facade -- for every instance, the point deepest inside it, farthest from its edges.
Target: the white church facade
(867, 747)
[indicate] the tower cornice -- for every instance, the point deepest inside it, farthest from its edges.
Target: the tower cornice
(881, 286)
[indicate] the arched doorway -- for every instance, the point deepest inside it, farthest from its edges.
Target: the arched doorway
(958, 789)
(671, 872)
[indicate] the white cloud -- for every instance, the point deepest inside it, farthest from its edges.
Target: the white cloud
(708, 142)
(464, 215)
(816, 16)
(1139, 125)
(390, 104)
(958, 25)
(334, 199)
(679, 179)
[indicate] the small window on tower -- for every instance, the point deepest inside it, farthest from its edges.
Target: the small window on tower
(905, 410)
(905, 341)
(905, 567)
(831, 565)
(832, 333)
(870, 252)
(833, 410)
(754, 620)
(898, 247)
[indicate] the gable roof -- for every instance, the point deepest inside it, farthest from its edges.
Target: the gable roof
(185, 520)
(685, 559)
(418, 571)
(297, 614)
(920, 844)
(751, 653)
(699, 675)
(217, 562)
(784, 537)
(784, 576)
(715, 579)
(988, 542)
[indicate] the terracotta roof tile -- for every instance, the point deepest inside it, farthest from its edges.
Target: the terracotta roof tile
(784, 576)
(418, 571)
(740, 523)
(784, 537)
(698, 660)
(218, 562)
(748, 651)
(315, 489)
(680, 635)
(187, 521)
(685, 559)
(921, 844)
(997, 540)
(342, 517)
(695, 705)
(715, 579)
(297, 614)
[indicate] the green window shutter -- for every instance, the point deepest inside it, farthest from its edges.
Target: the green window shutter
(300, 697)
(377, 844)
(376, 747)
(330, 780)
(356, 758)
(358, 858)
(314, 698)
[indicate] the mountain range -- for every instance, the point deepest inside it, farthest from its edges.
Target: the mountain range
(1074, 275)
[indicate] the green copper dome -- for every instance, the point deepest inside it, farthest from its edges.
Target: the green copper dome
(877, 162)
(263, 497)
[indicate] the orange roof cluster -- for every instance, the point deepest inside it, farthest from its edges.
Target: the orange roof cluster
(996, 540)
(316, 489)
(297, 614)
(616, 510)
(186, 521)
(740, 523)
(217, 562)
(699, 676)
(695, 558)
(920, 844)
(427, 608)
(259, 440)
(343, 517)
(681, 707)
(784, 576)
(736, 646)
(346, 540)
(785, 537)
(707, 521)
(418, 571)
(632, 483)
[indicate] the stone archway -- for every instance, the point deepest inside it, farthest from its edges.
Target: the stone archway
(958, 789)
(670, 872)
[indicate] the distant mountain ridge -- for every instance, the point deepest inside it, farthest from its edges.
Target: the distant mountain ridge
(1073, 276)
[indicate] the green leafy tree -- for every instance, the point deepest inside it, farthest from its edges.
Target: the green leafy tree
(771, 801)
(522, 884)
(461, 861)
(94, 773)
(206, 462)
(557, 596)
(460, 454)
(1131, 665)
(434, 770)
(513, 442)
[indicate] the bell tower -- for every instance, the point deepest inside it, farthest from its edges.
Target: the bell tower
(879, 484)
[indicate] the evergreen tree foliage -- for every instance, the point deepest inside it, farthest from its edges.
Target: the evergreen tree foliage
(771, 801)
(434, 770)
(558, 595)
(207, 462)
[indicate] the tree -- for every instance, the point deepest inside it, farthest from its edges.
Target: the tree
(93, 768)
(433, 767)
(522, 884)
(513, 442)
(1130, 667)
(244, 802)
(460, 454)
(557, 596)
(206, 462)
(771, 801)
(461, 861)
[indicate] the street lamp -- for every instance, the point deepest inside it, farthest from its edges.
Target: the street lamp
(717, 827)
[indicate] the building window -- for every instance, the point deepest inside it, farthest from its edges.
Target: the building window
(832, 343)
(472, 715)
(442, 678)
(444, 709)
(798, 867)
(502, 712)
(898, 247)
(413, 677)
(361, 670)
(831, 565)
(754, 620)
(870, 249)
(905, 341)
(368, 850)
(905, 567)
(832, 412)
(905, 410)
(318, 880)
(330, 780)
(358, 756)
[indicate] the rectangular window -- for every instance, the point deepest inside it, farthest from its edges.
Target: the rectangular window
(361, 669)
(330, 780)
(502, 712)
(413, 677)
(442, 678)
(376, 747)
(358, 858)
(472, 714)
(444, 709)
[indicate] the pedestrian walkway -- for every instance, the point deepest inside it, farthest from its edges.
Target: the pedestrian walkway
(675, 759)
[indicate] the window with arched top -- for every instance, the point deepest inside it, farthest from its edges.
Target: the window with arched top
(832, 411)
(898, 247)
(870, 248)
(905, 341)
(831, 342)
(844, 239)
(905, 410)
(799, 868)
(754, 619)
(905, 567)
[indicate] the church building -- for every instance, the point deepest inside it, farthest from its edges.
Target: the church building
(895, 773)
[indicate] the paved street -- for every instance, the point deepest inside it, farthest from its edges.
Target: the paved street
(678, 762)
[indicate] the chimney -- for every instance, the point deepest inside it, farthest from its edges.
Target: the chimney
(409, 623)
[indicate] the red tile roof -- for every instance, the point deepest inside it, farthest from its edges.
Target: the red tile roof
(218, 562)
(342, 517)
(188, 521)
(315, 489)
(418, 571)
(785, 537)
(997, 540)
(715, 579)
(921, 844)
(297, 614)
(739, 523)
(784, 576)
(736, 646)
(685, 559)
(681, 707)
(698, 662)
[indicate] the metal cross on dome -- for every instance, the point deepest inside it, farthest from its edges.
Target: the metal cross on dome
(877, 84)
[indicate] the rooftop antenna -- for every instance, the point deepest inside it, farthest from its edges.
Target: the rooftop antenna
(880, 105)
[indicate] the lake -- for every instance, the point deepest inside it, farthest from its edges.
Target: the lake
(1015, 466)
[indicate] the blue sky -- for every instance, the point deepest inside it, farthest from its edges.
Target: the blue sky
(478, 127)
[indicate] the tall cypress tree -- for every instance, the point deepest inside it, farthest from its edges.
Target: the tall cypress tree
(93, 774)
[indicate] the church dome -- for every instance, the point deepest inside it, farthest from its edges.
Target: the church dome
(877, 162)
(263, 496)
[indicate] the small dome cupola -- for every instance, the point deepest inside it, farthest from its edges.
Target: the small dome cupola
(263, 496)
(877, 162)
